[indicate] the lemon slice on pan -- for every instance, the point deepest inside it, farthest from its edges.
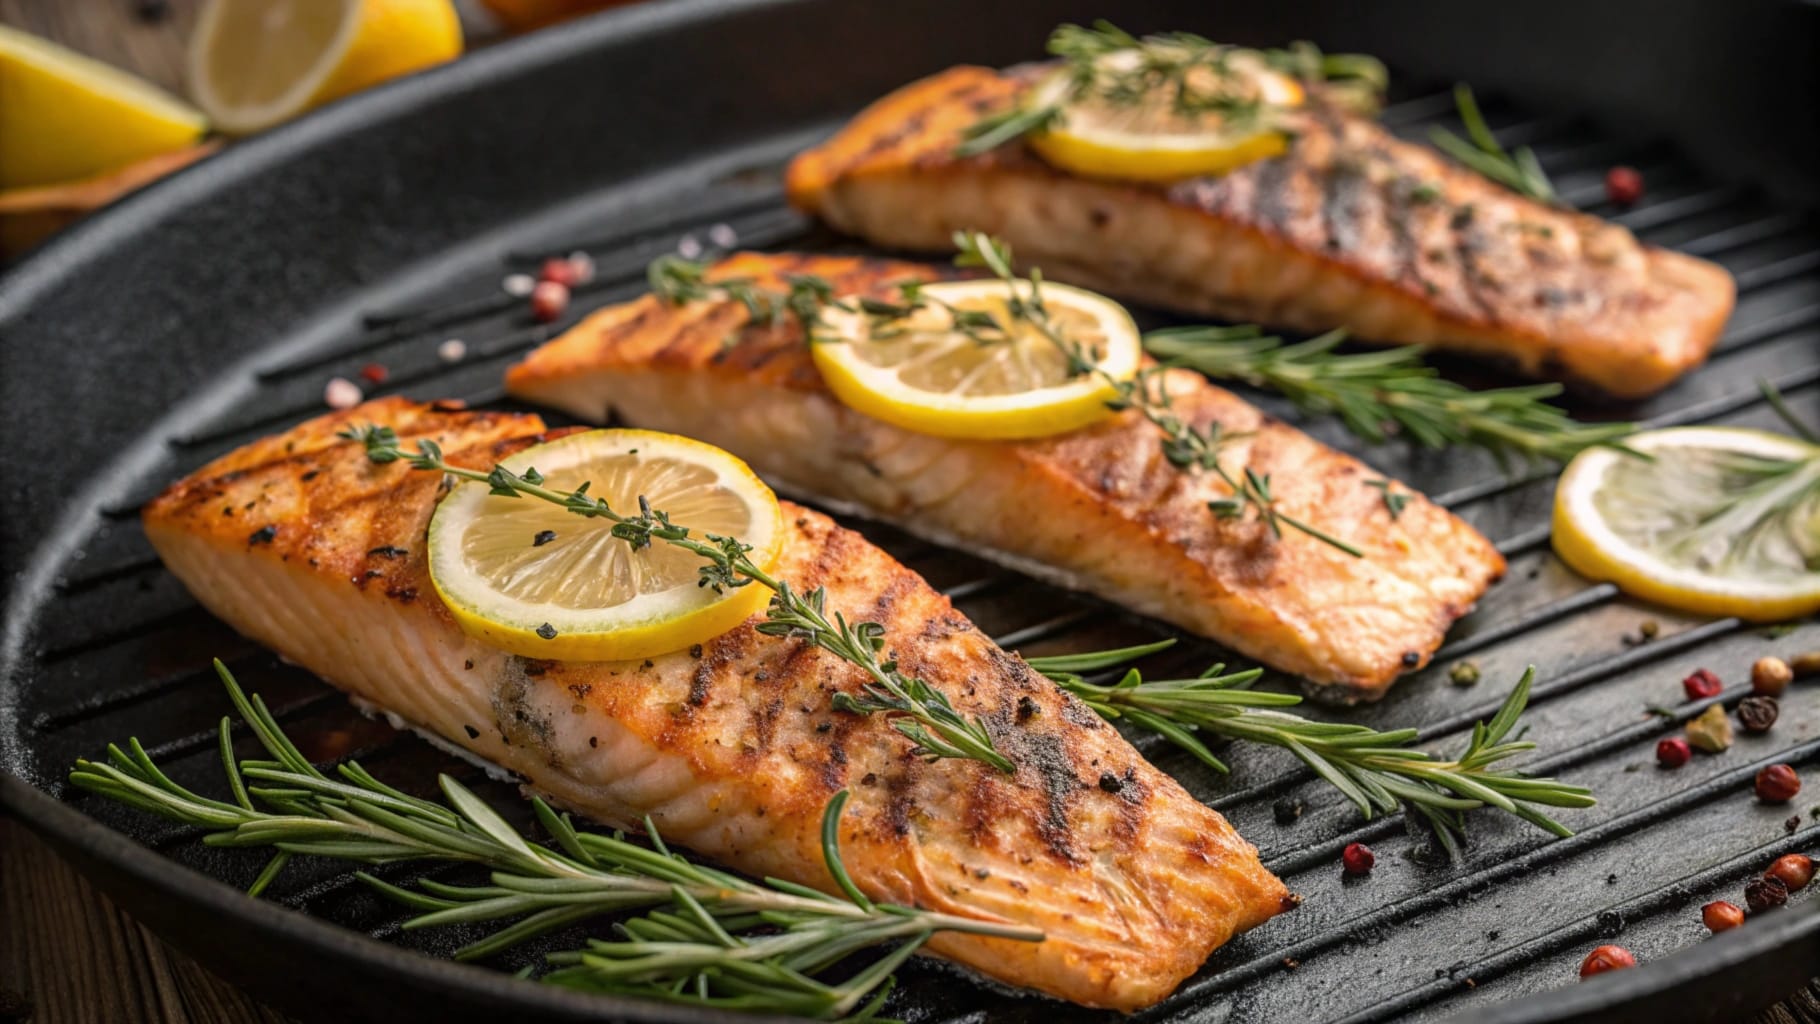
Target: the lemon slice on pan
(534, 579)
(1719, 521)
(1235, 122)
(921, 373)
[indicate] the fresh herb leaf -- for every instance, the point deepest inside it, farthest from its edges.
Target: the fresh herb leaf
(701, 936)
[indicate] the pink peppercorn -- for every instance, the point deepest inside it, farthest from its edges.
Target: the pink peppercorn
(1358, 859)
(1623, 185)
(559, 271)
(548, 301)
(1701, 685)
(374, 373)
(1673, 752)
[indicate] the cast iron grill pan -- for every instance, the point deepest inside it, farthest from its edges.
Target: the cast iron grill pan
(213, 309)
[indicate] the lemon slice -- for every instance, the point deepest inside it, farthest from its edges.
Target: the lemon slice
(1153, 141)
(534, 579)
(254, 63)
(1721, 521)
(921, 374)
(64, 116)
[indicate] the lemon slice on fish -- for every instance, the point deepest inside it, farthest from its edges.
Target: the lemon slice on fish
(922, 373)
(532, 578)
(1234, 116)
(1718, 521)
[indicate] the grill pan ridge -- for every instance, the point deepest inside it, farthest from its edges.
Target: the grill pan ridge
(211, 309)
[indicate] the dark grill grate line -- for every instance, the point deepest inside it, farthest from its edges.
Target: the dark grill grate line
(1737, 236)
(1553, 851)
(1581, 931)
(1778, 272)
(87, 710)
(1654, 215)
(69, 586)
(1591, 597)
(1768, 330)
(1525, 542)
(1043, 630)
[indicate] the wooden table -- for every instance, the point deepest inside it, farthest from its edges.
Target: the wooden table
(67, 954)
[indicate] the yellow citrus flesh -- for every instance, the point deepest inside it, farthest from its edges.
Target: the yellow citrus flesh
(1154, 142)
(1682, 529)
(255, 63)
(529, 577)
(924, 376)
(64, 117)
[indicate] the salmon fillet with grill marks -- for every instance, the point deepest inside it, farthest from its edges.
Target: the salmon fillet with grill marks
(1100, 509)
(1352, 227)
(734, 749)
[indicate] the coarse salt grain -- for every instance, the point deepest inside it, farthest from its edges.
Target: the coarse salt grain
(518, 284)
(341, 393)
(723, 236)
(688, 248)
(452, 351)
(583, 264)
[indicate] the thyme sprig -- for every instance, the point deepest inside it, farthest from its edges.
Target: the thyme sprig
(1191, 75)
(1380, 772)
(677, 281)
(704, 936)
(1186, 446)
(1377, 392)
(922, 713)
(1518, 170)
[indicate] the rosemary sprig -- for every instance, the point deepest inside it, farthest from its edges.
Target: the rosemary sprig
(1186, 446)
(1376, 392)
(1192, 75)
(706, 937)
(919, 711)
(1519, 171)
(1380, 772)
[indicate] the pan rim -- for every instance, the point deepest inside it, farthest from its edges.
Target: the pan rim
(65, 827)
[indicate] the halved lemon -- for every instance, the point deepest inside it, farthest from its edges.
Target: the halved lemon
(1155, 141)
(65, 117)
(537, 580)
(255, 63)
(1720, 521)
(922, 374)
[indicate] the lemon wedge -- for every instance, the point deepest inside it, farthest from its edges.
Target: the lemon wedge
(65, 117)
(923, 374)
(1718, 521)
(255, 63)
(534, 579)
(1153, 140)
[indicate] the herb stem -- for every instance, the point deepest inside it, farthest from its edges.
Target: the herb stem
(1380, 772)
(920, 712)
(1377, 392)
(705, 936)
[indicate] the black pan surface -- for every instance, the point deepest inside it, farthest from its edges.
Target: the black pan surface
(212, 307)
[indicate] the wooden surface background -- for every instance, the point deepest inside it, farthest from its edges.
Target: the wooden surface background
(67, 954)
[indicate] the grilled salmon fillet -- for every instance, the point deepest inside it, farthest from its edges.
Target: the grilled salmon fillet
(1352, 227)
(1099, 509)
(733, 748)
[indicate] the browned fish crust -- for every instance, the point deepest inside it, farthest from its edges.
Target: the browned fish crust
(1351, 228)
(1099, 509)
(733, 748)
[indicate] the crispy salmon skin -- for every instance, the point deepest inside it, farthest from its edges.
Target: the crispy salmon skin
(1099, 509)
(733, 748)
(1352, 227)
